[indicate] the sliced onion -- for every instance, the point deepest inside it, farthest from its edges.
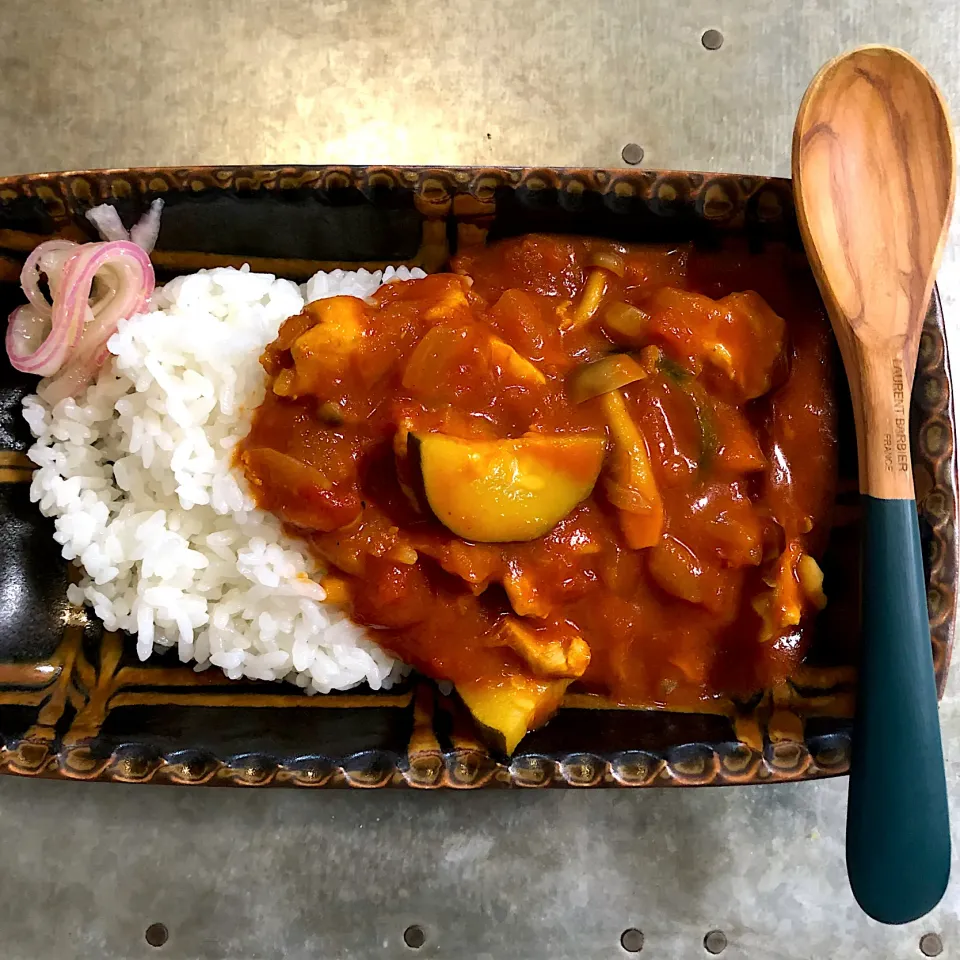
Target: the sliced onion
(72, 344)
(109, 225)
(27, 328)
(124, 270)
(107, 221)
(146, 230)
(125, 274)
(48, 257)
(70, 380)
(92, 287)
(62, 335)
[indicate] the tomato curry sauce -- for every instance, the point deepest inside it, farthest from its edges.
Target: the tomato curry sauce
(567, 461)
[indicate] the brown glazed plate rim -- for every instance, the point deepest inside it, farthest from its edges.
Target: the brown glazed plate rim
(66, 739)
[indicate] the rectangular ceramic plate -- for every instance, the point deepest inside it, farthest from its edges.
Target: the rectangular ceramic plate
(74, 700)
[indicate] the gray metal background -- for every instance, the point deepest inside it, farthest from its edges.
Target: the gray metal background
(84, 869)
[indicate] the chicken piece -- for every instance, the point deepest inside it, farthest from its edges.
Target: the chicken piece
(512, 705)
(756, 332)
(811, 581)
(323, 352)
(454, 303)
(798, 581)
(630, 485)
(787, 604)
(474, 563)
(523, 594)
(276, 356)
(550, 653)
(740, 336)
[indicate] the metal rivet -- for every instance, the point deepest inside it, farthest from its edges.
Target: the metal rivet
(631, 940)
(712, 39)
(931, 945)
(414, 937)
(715, 942)
(156, 935)
(632, 153)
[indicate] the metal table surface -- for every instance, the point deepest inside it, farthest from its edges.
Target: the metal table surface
(85, 869)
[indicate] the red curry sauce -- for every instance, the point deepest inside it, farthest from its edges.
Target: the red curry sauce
(687, 578)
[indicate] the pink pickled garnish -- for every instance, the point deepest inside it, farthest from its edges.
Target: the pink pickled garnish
(92, 287)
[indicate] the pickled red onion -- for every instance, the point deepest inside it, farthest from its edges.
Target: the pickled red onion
(25, 349)
(124, 270)
(77, 328)
(92, 287)
(30, 274)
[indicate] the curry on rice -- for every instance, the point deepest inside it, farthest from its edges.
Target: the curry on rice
(569, 460)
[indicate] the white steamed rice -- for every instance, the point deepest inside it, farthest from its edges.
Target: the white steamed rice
(138, 474)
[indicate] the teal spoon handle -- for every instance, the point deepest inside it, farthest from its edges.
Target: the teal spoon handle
(898, 830)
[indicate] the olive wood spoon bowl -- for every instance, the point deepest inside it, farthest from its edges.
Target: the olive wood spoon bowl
(873, 181)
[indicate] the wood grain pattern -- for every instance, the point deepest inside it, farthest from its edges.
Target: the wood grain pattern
(874, 181)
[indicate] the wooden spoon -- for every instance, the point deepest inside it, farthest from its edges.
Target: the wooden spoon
(873, 180)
